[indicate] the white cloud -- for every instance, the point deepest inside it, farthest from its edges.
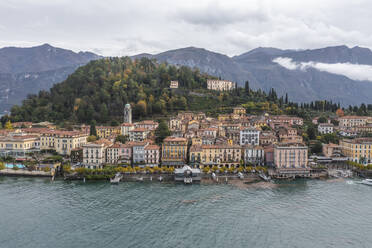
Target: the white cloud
(353, 71)
(126, 27)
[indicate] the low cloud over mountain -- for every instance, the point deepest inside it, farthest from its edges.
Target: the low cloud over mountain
(352, 71)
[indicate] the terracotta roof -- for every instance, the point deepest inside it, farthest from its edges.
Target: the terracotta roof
(127, 124)
(171, 138)
(152, 147)
(139, 129)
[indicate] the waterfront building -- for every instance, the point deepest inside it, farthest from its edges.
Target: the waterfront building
(63, 142)
(174, 151)
(357, 150)
(18, 145)
(249, 136)
(288, 155)
(220, 85)
(215, 155)
(269, 155)
(138, 152)
(118, 153)
(94, 153)
(253, 155)
(325, 128)
(152, 155)
(127, 113)
(107, 131)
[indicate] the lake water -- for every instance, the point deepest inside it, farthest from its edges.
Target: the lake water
(304, 213)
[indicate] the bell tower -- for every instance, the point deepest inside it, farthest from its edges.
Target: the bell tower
(127, 113)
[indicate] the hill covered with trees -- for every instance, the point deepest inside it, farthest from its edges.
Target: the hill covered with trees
(99, 90)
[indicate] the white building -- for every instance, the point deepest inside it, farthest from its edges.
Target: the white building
(152, 155)
(94, 153)
(325, 128)
(125, 128)
(220, 85)
(253, 155)
(249, 136)
(138, 134)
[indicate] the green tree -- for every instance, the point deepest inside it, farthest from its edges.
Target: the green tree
(93, 131)
(161, 132)
(322, 119)
(311, 132)
(91, 138)
(121, 138)
(8, 125)
(316, 147)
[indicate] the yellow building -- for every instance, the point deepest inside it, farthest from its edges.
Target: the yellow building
(358, 150)
(62, 141)
(174, 151)
(107, 131)
(239, 111)
(18, 145)
(215, 155)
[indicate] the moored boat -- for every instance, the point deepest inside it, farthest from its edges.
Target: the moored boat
(367, 182)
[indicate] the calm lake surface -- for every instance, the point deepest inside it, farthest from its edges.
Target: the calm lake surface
(304, 213)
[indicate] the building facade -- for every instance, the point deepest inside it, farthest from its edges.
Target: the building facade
(63, 142)
(94, 153)
(290, 156)
(253, 155)
(18, 145)
(220, 85)
(357, 150)
(249, 136)
(152, 155)
(174, 151)
(325, 128)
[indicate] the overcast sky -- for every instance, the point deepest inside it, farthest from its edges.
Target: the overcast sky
(127, 27)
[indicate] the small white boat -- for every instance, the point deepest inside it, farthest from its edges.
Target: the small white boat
(367, 182)
(240, 175)
(187, 180)
(264, 177)
(160, 179)
(117, 178)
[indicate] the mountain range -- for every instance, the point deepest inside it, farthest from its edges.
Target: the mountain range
(26, 71)
(258, 67)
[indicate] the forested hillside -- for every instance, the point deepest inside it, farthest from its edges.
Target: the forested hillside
(99, 90)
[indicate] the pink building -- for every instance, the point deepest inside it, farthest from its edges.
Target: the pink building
(290, 155)
(118, 153)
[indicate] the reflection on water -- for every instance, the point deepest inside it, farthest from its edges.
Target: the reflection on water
(302, 213)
